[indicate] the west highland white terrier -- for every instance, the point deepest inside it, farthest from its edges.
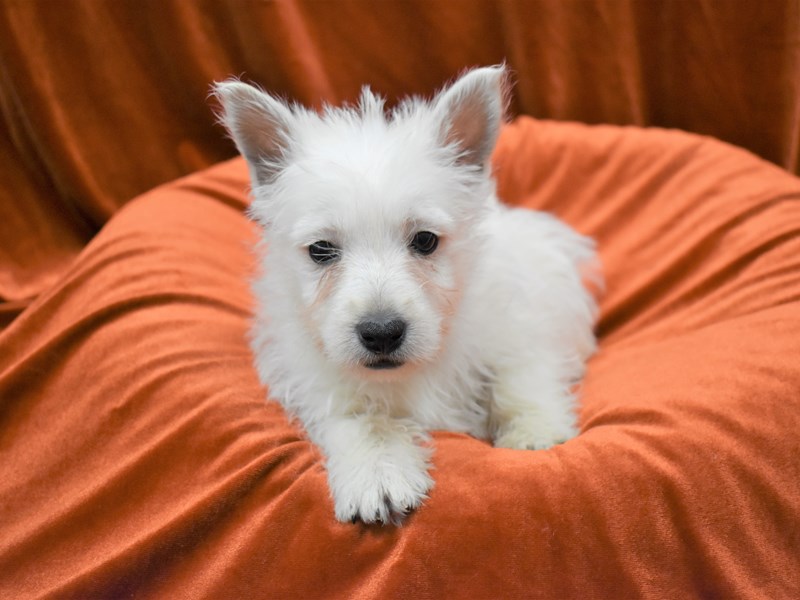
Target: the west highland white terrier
(397, 295)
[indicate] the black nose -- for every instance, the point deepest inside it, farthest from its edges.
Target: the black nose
(381, 336)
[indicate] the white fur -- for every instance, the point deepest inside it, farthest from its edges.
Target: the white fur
(499, 322)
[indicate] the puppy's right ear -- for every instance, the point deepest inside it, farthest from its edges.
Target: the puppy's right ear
(470, 113)
(259, 125)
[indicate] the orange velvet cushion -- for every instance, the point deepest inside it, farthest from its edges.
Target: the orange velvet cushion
(141, 460)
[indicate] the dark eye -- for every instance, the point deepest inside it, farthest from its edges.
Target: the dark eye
(425, 242)
(323, 252)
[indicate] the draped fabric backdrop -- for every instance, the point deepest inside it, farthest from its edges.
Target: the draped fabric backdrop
(101, 100)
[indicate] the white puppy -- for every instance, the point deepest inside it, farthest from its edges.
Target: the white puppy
(397, 295)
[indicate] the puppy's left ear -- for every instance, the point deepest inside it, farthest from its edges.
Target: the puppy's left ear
(259, 124)
(469, 113)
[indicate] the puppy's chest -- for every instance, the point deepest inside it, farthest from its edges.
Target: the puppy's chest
(460, 406)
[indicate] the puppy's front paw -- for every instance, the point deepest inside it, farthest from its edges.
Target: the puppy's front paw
(530, 433)
(380, 493)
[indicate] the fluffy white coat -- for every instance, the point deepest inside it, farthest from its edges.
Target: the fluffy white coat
(498, 324)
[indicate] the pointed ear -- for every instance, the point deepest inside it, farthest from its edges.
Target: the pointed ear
(258, 123)
(470, 112)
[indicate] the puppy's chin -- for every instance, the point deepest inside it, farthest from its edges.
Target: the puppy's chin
(384, 369)
(383, 364)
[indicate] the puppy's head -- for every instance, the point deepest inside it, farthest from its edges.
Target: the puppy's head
(370, 215)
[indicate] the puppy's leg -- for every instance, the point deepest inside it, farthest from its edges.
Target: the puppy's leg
(531, 408)
(539, 317)
(377, 467)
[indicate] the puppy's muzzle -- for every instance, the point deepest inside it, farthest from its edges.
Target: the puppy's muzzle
(382, 336)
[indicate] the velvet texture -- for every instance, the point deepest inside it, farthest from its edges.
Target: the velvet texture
(140, 459)
(102, 100)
